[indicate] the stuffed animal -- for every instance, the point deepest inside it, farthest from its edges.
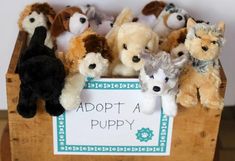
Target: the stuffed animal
(68, 23)
(174, 43)
(131, 39)
(88, 56)
(100, 22)
(34, 15)
(163, 17)
(42, 77)
(202, 77)
(159, 78)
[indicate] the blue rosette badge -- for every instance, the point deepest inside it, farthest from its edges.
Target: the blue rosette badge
(144, 135)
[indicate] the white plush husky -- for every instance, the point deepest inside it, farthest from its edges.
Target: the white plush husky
(159, 77)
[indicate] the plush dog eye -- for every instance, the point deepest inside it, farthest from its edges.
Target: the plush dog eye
(180, 53)
(214, 42)
(197, 36)
(146, 48)
(124, 46)
(111, 24)
(151, 76)
(166, 79)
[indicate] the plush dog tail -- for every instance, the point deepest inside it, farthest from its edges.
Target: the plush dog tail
(39, 36)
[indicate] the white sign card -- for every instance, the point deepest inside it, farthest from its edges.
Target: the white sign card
(109, 121)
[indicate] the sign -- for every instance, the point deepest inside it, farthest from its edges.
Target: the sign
(109, 121)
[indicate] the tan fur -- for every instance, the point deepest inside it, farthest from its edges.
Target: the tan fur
(173, 40)
(206, 84)
(39, 7)
(125, 16)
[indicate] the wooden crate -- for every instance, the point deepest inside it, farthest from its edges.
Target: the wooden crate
(194, 133)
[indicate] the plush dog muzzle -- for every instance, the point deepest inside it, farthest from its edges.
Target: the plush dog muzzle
(93, 65)
(78, 23)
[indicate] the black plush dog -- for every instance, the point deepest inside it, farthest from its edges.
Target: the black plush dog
(42, 76)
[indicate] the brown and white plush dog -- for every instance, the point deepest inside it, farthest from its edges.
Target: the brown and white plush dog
(163, 17)
(202, 76)
(131, 39)
(174, 43)
(68, 23)
(88, 56)
(34, 15)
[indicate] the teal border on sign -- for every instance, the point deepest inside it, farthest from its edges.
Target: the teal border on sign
(109, 85)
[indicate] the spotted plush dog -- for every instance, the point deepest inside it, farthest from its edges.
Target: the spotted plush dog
(88, 56)
(202, 76)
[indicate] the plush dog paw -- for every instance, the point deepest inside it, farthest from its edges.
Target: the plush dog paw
(27, 111)
(215, 104)
(171, 111)
(69, 101)
(187, 100)
(54, 109)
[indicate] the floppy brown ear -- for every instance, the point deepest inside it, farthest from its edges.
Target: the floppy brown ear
(57, 26)
(154, 8)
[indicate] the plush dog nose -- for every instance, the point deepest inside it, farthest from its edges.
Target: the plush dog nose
(179, 17)
(156, 89)
(31, 20)
(82, 20)
(135, 59)
(92, 66)
(205, 48)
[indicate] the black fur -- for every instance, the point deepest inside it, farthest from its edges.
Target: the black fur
(42, 77)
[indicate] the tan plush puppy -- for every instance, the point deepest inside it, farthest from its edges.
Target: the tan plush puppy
(132, 39)
(125, 16)
(202, 75)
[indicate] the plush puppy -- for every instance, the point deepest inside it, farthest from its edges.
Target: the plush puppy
(88, 56)
(68, 23)
(34, 15)
(174, 43)
(42, 77)
(163, 17)
(100, 22)
(159, 78)
(132, 38)
(202, 76)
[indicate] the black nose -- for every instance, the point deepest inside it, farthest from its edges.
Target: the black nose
(135, 59)
(179, 17)
(156, 88)
(205, 48)
(82, 20)
(31, 20)
(92, 66)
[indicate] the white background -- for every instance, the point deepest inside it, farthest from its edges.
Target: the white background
(210, 10)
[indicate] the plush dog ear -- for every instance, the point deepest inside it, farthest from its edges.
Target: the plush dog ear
(153, 8)
(221, 27)
(190, 23)
(57, 26)
(180, 61)
(39, 36)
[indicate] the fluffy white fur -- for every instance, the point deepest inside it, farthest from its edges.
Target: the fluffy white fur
(101, 65)
(76, 27)
(34, 20)
(132, 39)
(161, 80)
(70, 96)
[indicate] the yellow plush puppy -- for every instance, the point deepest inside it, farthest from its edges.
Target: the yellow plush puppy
(131, 39)
(202, 75)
